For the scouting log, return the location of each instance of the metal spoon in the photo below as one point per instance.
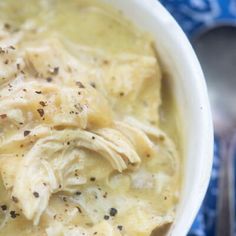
(216, 49)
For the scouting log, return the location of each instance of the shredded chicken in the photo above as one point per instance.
(77, 119)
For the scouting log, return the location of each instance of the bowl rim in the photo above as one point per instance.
(205, 143)
(195, 200)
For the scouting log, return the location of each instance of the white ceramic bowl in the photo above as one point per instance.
(190, 91)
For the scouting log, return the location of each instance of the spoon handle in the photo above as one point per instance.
(226, 202)
(197, 16)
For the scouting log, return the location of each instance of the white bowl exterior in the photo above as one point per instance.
(190, 91)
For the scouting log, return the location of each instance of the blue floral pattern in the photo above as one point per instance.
(195, 16)
(205, 222)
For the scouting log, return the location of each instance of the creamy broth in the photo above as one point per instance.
(121, 134)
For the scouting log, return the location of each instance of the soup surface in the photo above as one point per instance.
(88, 135)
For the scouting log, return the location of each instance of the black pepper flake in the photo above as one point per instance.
(93, 84)
(4, 207)
(7, 26)
(79, 107)
(64, 199)
(106, 217)
(42, 103)
(78, 193)
(38, 92)
(6, 61)
(113, 211)
(106, 62)
(14, 199)
(79, 209)
(49, 79)
(14, 214)
(68, 143)
(55, 70)
(93, 137)
(105, 195)
(18, 66)
(92, 179)
(95, 233)
(26, 133)
(78, 83)
(41, 112)
(36, 194)
(120, 227)
(3, 116)
(122, 94)
(12, 47)
(147, 155)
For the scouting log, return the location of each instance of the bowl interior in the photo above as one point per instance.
(188, 85)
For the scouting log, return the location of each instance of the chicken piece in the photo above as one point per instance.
(126, 72)
(137, 137)
(10, 63)
(167, 152)
(11, 60)
(54, 62)
(43, 171)
(123, 145)
(25, 137)
(8, 169)
(85, 108)
(51, 164)
(116, 76)
(61, 106)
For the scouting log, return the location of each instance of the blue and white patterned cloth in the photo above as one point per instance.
(205, 222)
(195, 16)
